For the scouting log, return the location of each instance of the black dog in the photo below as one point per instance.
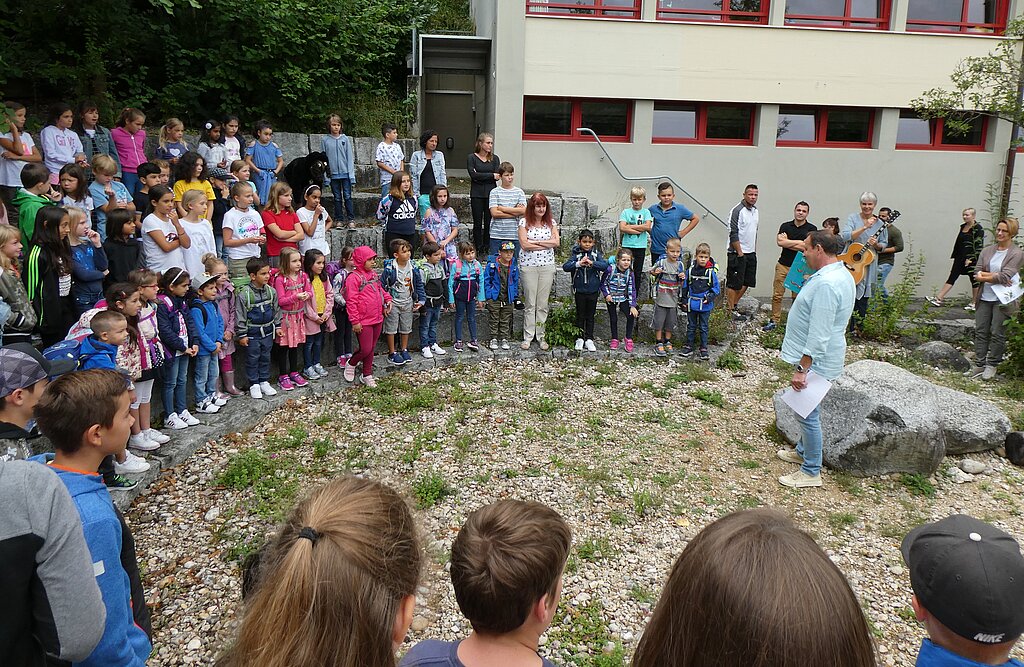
(302, 172)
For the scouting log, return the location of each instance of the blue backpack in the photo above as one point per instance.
(67, 350)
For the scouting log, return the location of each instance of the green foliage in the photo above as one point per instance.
(583, 635)
(245, 469)
(429, 489)
(1013, 367)
(561, 326)
(882, 322)
(708, 396)
(772, 340)
(450, 16)
(918, 485)
(731, 361)
(718, 326)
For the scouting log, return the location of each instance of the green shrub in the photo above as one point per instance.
(245, 469)
(561, 326)
(718, 326)
(883, 320)
(708, 396)
(429, 489)
(731, 361)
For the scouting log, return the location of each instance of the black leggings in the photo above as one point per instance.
(343, 332)
(287, 359)
(586, 304)
(391, 236)
(960, 270)
(613, 318)
(860, 311)
(481, 223)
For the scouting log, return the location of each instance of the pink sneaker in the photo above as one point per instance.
(614, 344)
(629, 345)
(350, 372)
(285, 383)
(298, 380)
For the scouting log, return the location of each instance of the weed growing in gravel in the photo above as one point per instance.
(323, 419)
(561, 329)
(429, 489)
(245, 469)
(749, 464)
(708, 396)
(595, 548)
(840, 521)
(656, 391)
(772, 340)
(731, 361)
(321, 448)
(600, 382)
(718, 326)
(585, 637)
(747, 502)
(645, 501)
(688, 373)
(544, 405)
(771, 431)
(658, 416)
(617, 518)
(918, 485)
(848, 483)
(641, 593)
(241, 549)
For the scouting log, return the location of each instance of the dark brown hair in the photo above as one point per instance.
(332, 599)
(753, 590)
(508, 555)
(74, 403)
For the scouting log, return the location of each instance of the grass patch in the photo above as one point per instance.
(749, 464)
(583, 635)
(918, 485)
(321, 448)
(641, 593)
(730, 361)
(429, 489)
(245, 469)
(595, 548)
(848, 483)
(688, 373)
(545, 405)
(840, 521)
(645, 501)
(708, 396)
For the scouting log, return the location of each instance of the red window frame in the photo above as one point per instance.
(576, 120)
(701, 125)
(963, 26)
(565, 7)
(715, 15)
(846, 20)
(821, 128)
(936, 130)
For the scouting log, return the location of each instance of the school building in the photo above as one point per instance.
(809, 99)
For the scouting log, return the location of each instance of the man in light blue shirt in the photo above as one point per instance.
(816, 340)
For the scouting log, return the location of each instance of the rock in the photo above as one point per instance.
(879, 419)
(958, 476)
(212, 514)
(748, 305)
(419, 624)
(1014, 446)
(972, 467)
(942, 354)
(194, 645)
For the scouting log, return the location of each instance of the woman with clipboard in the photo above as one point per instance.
(998, 269)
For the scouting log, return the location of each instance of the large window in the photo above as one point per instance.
(600, 8)
(558, 119)
(734, 11)
(835, 126)
(979, 16)
(703, 123)
(869, 14)
(916, 133)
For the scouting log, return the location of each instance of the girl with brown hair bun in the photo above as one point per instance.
(753, 590)
(336, 586)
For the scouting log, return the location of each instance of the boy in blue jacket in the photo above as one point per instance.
(501, 287)
(86, 416)
(587, 268)
(700, 287)
(210, 335)
(109, 330)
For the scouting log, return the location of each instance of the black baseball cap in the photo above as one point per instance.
(22, 365)
(970, 576)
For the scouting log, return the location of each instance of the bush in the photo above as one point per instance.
(882, 322)
(561, 326)
(429, 489)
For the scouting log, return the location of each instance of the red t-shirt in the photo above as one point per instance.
(287, 221)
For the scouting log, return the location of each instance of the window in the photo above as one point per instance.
(558, 118)
(729, 11)
(867, 14)
(629, 9)
(836, 127)
(918, 133)
(703, 123)
(978, 16)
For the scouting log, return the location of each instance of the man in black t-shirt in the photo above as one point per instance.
(791, 240)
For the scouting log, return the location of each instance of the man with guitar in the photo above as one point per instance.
(816, 342)
(868, 229)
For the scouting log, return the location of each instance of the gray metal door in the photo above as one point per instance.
(451, 115)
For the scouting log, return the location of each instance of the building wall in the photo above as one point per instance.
(766, 65)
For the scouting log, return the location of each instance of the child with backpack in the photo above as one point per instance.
(215, 266)
(619, 289)
(700, 287)
(210, 338)
(466, 285)
(501, 287)
(257, 324)
(402, 281)
(434, 276)
(367, 302)
(178, 334)
(587, 268)
(666, 278)
(319, 320)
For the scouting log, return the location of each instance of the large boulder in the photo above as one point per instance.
(879, 419)
(942, 354)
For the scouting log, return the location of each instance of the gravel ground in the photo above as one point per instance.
(638, 456)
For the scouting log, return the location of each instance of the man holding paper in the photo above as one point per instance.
(815, 344)
(998, 265)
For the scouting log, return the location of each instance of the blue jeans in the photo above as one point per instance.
(465, 309)
(257, 358)
(809, 446)
(130, 181)
(341, 188)
(207, 372)
(312, 349)
(695, 321)
(496, 245)
(384, 189)
(175, 384)
(429, 317)
(883, 273)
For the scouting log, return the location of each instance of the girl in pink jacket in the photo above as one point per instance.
(367, 302)
(318, 313)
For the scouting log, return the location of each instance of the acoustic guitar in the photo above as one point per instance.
(859, 255)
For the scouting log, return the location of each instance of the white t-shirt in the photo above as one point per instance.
(155, 258)
(243, 225)
(995, 265)
(319, 238)
(84, 204)
(10, 170)
(201, 235)
(232, 149)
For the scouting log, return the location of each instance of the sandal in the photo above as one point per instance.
(935, 302)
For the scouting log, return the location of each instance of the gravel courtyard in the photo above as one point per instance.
(637, 455)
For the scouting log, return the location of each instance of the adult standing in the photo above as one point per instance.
(482, 165)
(816, 341)
(966, 248)
(741, 268)
(791, 239)
(538, 238)
(427, 169)
(997, 265)
(887, 255)
(867, 228)
(669, 217)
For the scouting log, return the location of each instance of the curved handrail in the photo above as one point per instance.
(708, 211)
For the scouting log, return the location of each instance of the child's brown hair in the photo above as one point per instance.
(465, 247)
(105, 321)
(74, 403)
(277, 190)
(398, 244)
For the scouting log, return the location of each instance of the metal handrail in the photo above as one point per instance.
(708, 211)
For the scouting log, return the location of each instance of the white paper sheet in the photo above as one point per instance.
(805, 400)
(1008, 293)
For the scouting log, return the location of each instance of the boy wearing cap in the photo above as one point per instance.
(501, 287)
(210, 329)
(25, 375)
(968, 581)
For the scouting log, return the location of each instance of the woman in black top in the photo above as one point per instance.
(966, 248)
(483, 172)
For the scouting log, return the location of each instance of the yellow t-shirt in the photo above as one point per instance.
(319, 296)
(181, 187)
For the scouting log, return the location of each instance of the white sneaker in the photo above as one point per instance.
(267, 389)
(988, 373)
(189, 420)
(350, 372)
(438, 349)
(208, 407)
(175, 422)
(427, 354)
(589, 344)
(368, 381)
(156, 436)
(504, 344)
(220, 401)
(140, 442)
(579, 345)
(132, 464)
(254, 391)
(494, 344)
